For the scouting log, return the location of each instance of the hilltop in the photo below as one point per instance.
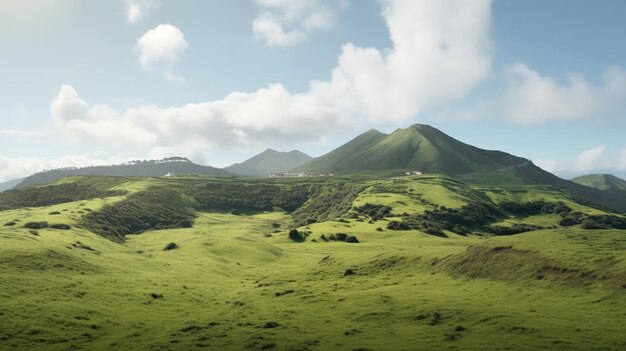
(426, 149)
(139, 168)
(269, 161)
(601, 181)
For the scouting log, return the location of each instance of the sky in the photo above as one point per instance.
(218, 81)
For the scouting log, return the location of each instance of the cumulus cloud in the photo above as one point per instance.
(533, 98)
(160, 48)
(287, 22)
(440, 51)
(135, 10)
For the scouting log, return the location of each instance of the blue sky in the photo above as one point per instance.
(218, 81)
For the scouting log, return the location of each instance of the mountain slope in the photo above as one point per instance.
(427, 149)
(601, 181)
(269, 161)
(10, 184)
(153, 168)
(419, 147)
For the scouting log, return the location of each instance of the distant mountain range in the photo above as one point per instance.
(416, 148)
(10, 184)
(152, 168)
(601, 181)
(269, 161)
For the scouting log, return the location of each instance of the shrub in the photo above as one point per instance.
(352, 239)
(54, 213)
(170, 246)
(349, 272)
(36, 225)
(235, 212)
(296, 236)
(379, 229)
(324, 238)
(33, 232)
(396, 225)
(10, 224)
(341, 236)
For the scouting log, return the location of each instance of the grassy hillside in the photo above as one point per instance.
(269, 161)
(418, 147)
(601, 181)
(236, 280)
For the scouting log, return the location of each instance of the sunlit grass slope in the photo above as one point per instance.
(238, 282)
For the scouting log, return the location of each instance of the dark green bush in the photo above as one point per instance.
(396, 225)
(296, 236)
(54, 213)
(10, 224)
(352, 239)
(170, 246)
(36, 225)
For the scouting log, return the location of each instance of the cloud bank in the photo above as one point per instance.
(440, 51)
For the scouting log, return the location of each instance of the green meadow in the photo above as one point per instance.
(235, 279)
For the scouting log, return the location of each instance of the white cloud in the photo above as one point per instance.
(591, 159)
(287, 22)
(440, 51)
(533, 98)
(135, 10)
(160, 48)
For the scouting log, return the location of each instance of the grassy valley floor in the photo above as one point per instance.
(230, 285)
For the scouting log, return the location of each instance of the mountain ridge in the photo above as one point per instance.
(269, 161)
(149, 168)
(601, 181)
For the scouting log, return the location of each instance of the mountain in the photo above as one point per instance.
(601, 181)
(417, 148)
(269, 161)
(429, 150)
(10, 184)
(151, 168)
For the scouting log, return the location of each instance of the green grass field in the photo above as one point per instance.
(237, 282)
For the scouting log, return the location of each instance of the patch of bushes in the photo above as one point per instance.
(253, 197)
(36, 225)
(54, 213)
(10, 224)
(339, 237)
(511, 230)
(51, 195)
(373, 211)
(535, 208)
(327, 202)
(154, 208)
(397, 225)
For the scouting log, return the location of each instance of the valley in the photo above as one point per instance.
(236, 278)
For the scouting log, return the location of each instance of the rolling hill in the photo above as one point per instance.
(115, 263)
(269, 161)
(601, 181)
(152, 168)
